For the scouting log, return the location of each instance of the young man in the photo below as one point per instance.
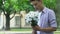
(47, 20)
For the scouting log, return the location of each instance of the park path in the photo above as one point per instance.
(15, 32)
(21, 32)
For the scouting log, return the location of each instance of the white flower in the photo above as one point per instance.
(31, 15)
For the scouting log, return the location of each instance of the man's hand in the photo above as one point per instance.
(37, 28)
(34, 22)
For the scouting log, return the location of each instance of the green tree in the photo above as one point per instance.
(25, 5)
(0, 4)
(8, 9)
(13, 6)
(50, 4)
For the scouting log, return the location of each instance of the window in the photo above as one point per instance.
(17, 19)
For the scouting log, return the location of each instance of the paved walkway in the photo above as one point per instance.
(15, 32)
(18, 32)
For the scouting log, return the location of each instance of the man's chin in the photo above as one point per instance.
(37, 9)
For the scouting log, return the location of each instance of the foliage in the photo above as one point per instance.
(50, 4)
(17, 5)
(0, 4)
(25, 5)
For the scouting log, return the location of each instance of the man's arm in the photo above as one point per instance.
(52, 22)
(48, 29)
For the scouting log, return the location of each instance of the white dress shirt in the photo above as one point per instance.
(38, 32)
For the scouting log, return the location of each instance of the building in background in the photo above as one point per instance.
(17, 22)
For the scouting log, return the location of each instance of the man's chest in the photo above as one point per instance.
(43, 20)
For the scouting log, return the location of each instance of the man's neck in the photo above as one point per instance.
(42, 8)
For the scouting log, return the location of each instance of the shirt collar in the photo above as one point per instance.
(44, 10)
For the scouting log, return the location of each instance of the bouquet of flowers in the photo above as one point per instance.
(32, 18)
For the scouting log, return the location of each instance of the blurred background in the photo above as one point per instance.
(12, 15)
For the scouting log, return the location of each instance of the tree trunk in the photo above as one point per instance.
(7, 22)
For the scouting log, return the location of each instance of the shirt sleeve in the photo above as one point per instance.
(52, 19)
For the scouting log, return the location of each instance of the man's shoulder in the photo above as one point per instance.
(49, 10)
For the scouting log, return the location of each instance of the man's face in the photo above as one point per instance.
(37, 5)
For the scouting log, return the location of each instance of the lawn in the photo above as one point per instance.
(57, 32)
(24, 30)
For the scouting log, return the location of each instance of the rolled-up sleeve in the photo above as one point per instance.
(52, 19)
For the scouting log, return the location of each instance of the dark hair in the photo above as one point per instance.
(34, 0)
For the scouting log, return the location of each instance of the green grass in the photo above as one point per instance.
(22, 29)
(56, 32)
(25, 30)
